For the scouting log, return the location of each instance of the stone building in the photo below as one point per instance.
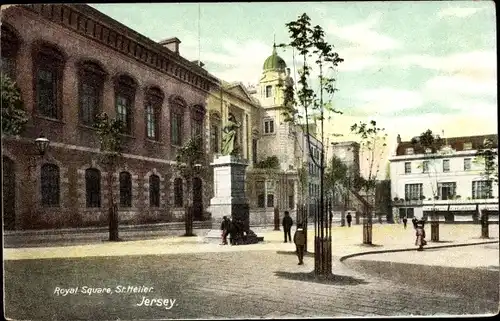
(71, 62)
(449, 181)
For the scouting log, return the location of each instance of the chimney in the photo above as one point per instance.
(171, 43)
(398, 139)
(198, 63)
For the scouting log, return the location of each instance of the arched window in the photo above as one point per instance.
(93, 187)
(215, 129)
(176, 117)
(154, 100)
(154, 191)
(125, 189)
(91, 83)
(178, 192)
(124, 101)
(197, 116)
(50, 185)
(49, 65)
(10, 47)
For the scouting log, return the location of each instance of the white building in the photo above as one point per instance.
(450, 181)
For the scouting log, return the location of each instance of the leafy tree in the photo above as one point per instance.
(431, 145)
(487, 156)
(109, 133)
(14, 117)
(313, 50)
(190, 160)
(373, 142)
(271, 162)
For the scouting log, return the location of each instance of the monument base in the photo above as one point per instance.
(215, 237)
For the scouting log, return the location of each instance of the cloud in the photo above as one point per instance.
(460, 85)
(363, 36)
(459, 12)
(385, 101)
(477, 64)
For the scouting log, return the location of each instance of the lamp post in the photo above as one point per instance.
(41, 144)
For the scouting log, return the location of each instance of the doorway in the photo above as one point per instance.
(9, 193)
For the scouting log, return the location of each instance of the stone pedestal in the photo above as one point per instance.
(229, 197)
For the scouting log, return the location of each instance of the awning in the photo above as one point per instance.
(462, 207)
(430, 208)
(489, 207)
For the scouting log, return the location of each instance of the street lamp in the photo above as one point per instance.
(41, 144)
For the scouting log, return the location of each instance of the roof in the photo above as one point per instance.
(274, 61)
(456, 143)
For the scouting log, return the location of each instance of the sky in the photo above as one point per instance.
(410, 66)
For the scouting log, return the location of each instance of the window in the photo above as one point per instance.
(178, 192)
(261, 195)
(269, 91)
(467, 164)
(407, 167)
(425, 166)
(270, 200)
(467, 146)
(9, 47)
(413, 191)
(93, 187)
(446, 165)
(214, 138)
(154, 191)
(154, 100)
(125, 189)
(124, 101)
(176, 128)
(197, 129)
(446, 190)
(197, 117)
(50, 185)
(254, 151)
(481, 189)
(91, 81)
(268, 126)
(409, 151)
(48, 68)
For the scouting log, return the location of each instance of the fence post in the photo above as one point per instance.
(276, 219)
(485, 233)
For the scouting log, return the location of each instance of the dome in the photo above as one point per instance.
(274, 61)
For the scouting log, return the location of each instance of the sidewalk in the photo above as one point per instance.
(345, 242)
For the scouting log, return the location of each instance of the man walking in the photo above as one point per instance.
(287, 226)
(299, 239)
(405, 220)
(349, 219)
(224, 226)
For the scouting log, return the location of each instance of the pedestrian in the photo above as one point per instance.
(349, 219)
(287, 226)
(299, 238)
(414, 221)
(405, 220)
(420, 234)
(233, 232)
(224, 226)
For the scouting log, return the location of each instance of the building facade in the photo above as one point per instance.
(71, 62)
(449, 181)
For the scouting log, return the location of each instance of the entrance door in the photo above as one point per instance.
(9, 193)
(197, 199)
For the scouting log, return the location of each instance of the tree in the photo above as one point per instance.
(337, 175)
(373, 143)
(109, 133)
(14, 117)
(190, 160)
(487, 156)
(309, 42)
(432, 146)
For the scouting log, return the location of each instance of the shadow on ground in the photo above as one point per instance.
(370, 245)
(334, 279)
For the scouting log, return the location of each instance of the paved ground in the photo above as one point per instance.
(213, 281)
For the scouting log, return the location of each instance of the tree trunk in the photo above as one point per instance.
(112, 211)
(188, 211)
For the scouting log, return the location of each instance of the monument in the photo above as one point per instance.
(229, 188)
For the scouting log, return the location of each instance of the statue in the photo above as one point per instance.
(230, 137)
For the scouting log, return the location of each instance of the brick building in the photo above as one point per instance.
(71, 62)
